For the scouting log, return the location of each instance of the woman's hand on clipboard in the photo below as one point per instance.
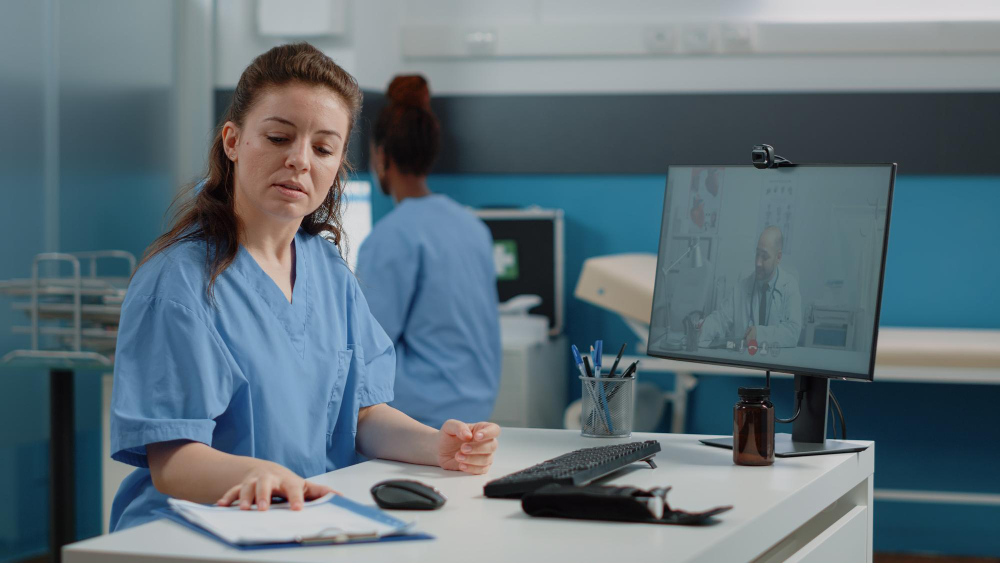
(271, 479)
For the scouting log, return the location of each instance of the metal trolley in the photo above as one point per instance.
(73, 326)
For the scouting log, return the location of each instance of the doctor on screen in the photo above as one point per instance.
(764, 307)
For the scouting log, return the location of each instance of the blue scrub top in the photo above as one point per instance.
(427, 271)
(250, 375)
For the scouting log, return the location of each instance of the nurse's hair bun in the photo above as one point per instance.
(410, 90)
(406, 128)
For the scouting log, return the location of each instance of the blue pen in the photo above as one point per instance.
(578, 360)
(599, 348)
(583, 371)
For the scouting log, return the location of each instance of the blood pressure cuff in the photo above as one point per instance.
(619, 504)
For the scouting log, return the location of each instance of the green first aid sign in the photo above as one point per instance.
(505, 259)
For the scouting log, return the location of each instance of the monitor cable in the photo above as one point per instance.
(798, 400)
(840, 413)
(835, 413)
(832, 418)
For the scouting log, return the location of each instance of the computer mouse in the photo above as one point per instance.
(400, 494)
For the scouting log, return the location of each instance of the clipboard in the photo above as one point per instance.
(341, 539)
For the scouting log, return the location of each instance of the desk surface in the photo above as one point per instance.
(770, 503)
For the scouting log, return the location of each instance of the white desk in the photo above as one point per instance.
(801, 509)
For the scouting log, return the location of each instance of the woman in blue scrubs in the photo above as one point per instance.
(427, 272)
(247, 356)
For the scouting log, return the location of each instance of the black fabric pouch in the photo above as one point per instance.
(620, 504)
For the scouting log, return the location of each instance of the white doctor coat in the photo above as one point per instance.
(739, 310)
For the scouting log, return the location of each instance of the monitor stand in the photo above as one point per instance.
(809, 429)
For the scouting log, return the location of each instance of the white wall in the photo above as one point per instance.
(237, 41)
(891, 45)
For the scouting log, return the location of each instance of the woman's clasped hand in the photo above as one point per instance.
(467, 448)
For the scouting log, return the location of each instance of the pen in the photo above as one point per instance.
(599, 400)
(629, 372)
(578, 360)
(598, 352)
(593, 360)
(602, 400)
(618, 358)
(584, 369)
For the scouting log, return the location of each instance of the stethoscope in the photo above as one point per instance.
(767, 315)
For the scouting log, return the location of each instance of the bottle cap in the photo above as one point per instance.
(755, 393)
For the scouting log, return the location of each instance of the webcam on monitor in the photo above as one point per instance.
(763, 157)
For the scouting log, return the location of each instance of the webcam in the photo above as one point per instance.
(763, 157)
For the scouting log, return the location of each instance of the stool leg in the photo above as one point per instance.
(62, 490)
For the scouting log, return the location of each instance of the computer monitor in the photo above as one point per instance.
(778, 269)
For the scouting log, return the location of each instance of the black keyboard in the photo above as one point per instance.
(575, 468)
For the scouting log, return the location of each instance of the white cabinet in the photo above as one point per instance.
(533, 387)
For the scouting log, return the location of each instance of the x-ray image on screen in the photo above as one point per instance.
(777, 268)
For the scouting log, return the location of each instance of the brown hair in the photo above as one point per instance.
(210, 214)
(406, 128)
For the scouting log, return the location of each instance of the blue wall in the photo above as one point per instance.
(941, 271)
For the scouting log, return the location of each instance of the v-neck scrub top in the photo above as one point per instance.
(427, 271)
(251, 374)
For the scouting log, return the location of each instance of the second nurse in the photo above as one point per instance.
(427, 272)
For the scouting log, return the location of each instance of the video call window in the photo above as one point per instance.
(775, 268)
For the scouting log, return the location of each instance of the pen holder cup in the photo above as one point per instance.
(607, 406)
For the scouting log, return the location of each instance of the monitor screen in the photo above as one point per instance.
(776, 269)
